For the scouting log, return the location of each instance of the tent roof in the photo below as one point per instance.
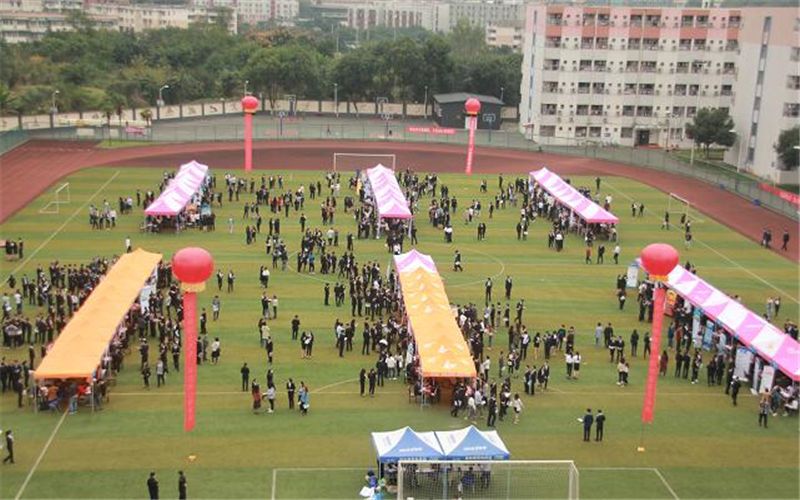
(389, 198)
(180, 190)
(78, 349)
(463, 96)
(750, 328)
(443, 352)
(471, 443)
(406, 444)
(567, 195)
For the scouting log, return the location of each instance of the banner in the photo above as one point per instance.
(431, 130)
(473, 122)
(780, 193)
(632, 278)
(756, 376)
(744, 357)
(708, 335)
(767, 377)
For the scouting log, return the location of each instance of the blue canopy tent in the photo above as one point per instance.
(406, 444)
(471, 443)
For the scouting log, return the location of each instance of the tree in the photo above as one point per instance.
(263, 69)
(787, 148)
(711, 126)
(466, 40)
(353, 73)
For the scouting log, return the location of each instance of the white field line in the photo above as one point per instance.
(41, 456)
(664, 480)
(62, 226)
(751, 273)
(654, 470)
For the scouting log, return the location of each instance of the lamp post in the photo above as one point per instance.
(53, 108)
(658, 259)
(426, 102)
(246, 82)
(472, 107)
(160, 100)
(490, 119)
(192, 266)
(502, 93)
(336, 99)
(249, 107)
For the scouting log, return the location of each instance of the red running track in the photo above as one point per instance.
(30, 169)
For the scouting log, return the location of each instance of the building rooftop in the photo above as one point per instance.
(463, 96)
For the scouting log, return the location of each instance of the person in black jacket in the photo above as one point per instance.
(152, 486)
(362, 379)
(182, 485)
(587, 420)
(600, 420)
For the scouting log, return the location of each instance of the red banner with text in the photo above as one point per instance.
(780, 193)
(431, 130)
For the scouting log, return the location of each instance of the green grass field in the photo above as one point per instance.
(699, 446)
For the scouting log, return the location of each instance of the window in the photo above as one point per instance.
(583, 87)
(644, 111)
(793, 82)
(694, 89)
(596, 110)
(734, 21)
(552, 41)
(687, 21)
(598, 87)
(685, 44)
(599, 65)
(582, 110)
(726, 90)
(630, 89)
(587, 43)
(547, 130)
(683, 67)
(699, 44)
(634, 44)
(632, 66)
(646, 89)
(677, 111)
(550, 87)
(791, 109)
(555, 19)
(627, 110)
(728, 68)
(650, 43)
(636, 20)
(601, 43)
(648, 67)
(548, 109)
(626, 133)
(580, 131)
(551, 64)
(680, 89)
(585, 65)
(732, 45)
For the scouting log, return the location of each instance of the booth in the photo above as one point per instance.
(472, 443)
(442, 350)
(182, 196)
(406, 444)
(747, 327)
(78, 351)
(565, 194)
(390, 203)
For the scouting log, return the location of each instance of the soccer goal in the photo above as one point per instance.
(530, 479)
(343, 162)
(60, 197)
(681, 208)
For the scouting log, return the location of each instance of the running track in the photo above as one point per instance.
(30, 169)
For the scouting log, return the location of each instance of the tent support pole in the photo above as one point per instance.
(93, 395)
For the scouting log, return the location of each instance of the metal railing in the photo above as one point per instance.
(387, 132)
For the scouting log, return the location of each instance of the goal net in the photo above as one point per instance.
(497, 479)
(680, 208)
(343, 162)
(60, 197)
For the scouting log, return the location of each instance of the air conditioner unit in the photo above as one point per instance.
(716, 93)
(572, 91)
(669, 92)
(558, 119)
(660, 70)
(571, 119)
(605, 120)
(703, 92)
(673, 48)
(619, 91)
(607, 91)
(658, 92)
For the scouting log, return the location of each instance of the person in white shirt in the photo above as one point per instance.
(616, 254)
(215, 351)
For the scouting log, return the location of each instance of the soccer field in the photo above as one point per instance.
(699, 446)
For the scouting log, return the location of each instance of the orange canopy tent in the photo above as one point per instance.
(443, 352)
(77, 351)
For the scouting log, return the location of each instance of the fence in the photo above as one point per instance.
(389, 131)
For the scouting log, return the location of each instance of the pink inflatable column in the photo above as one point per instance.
(249, 106)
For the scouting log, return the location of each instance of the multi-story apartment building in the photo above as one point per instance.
(18, 26)
(637, 76)
(439, 16)
(507, 34)
(767, 90)
(28, 20)
(254, 12)
(483, 12)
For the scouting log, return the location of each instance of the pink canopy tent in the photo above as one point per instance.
(180, 190)
(413, 260)
(567, 195)
(389, 198)
(748, 327)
